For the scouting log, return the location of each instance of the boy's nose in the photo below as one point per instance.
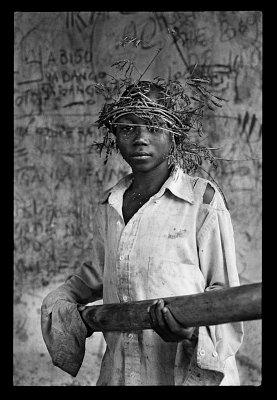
(142, 136)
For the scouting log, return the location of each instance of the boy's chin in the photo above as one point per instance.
(141, 165)
(147, 167)
(141, 168)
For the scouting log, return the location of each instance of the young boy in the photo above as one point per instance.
(159, 232)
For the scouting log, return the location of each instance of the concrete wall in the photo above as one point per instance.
(58, 177)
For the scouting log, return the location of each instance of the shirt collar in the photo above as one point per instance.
(178, 183)
(120, 187)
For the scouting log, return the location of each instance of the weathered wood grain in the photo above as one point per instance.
(240, 303)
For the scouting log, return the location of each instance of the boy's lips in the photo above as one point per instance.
(140, 155)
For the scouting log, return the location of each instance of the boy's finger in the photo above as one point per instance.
(158, 321)
(173, 325)
(160, 318)
(156, 327)
(155, 318)
(153, 309)
(163, 324)
(152, 315)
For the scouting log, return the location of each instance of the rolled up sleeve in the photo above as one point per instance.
(64, 334)
(63, 330)
(91, 272)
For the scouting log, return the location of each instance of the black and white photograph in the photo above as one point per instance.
(137, 198)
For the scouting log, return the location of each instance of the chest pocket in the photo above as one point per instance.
(166, 278)
(175, 239)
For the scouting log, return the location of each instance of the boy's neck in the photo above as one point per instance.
(150, 181)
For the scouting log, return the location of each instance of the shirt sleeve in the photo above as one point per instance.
(62, 327)
(64, 334)
(91, 272)
(86, 284)
(217, 259)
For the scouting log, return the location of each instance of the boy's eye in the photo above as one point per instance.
(125, 128)
(153, 129)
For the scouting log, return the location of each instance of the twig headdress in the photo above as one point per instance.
(179, 110)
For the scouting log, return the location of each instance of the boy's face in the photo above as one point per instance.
(141, 147)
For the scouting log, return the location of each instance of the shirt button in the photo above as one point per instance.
(214, 354)
(202, 353)
(132, 374)
(125, 298)
(121, 258)
(118, 222)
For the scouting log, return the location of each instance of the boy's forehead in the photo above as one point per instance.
(126, 116)
(129, 118)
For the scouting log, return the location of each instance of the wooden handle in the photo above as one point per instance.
(218, 306)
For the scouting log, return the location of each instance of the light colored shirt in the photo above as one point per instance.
(173, 245)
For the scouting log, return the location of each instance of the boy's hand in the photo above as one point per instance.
(165, 325)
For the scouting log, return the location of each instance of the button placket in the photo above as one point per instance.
(202, 352)
(123, 266)
(132, 360)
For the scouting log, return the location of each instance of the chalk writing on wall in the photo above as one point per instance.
(59, 57)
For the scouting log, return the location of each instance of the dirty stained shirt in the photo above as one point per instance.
(173, 245)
